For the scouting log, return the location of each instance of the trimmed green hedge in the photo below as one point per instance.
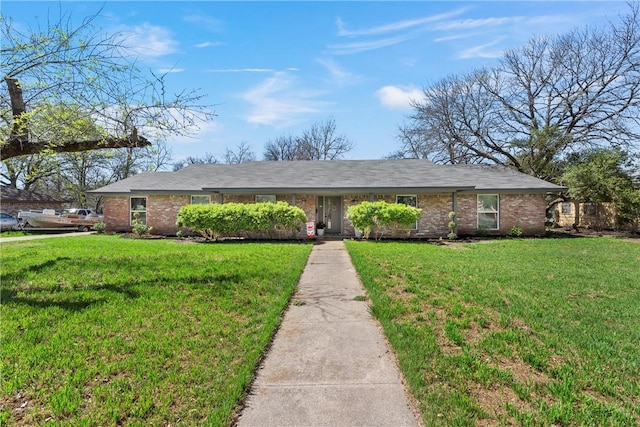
(376, 216)
(213, 221)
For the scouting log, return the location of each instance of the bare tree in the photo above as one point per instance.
(549, 98)
(92, 73)
(206, 158)
(241, 154)
(319, 142)
(418, 143)
(282, 148)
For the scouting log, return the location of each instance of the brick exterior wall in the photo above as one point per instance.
(116, 214)
(162, 212)
(524, 210)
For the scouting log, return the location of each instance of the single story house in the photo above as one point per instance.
(592, 215)
(487, 199)
(14, 200)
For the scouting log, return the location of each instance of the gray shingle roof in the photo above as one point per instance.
(327, 176)
(10, 194)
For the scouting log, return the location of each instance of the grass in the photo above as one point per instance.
(14, 233)
(525, 332)
(99, 330)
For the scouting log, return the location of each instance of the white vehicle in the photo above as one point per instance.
(80, 218)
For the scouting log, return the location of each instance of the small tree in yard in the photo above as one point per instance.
(62, 63)
(452, 226)
(138, 226)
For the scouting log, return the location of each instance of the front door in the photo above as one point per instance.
(330, 212)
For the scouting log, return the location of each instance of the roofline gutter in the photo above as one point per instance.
(334, 190)
(271, 190)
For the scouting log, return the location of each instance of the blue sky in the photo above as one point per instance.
(275, 68)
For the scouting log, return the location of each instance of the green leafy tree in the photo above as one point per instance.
(605, 175)
(96, 76)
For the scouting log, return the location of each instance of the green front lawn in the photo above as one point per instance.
(99, 330)
(525, 332)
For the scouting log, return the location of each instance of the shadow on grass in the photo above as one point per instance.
(36, 268)
(69, 301)
(67, 305)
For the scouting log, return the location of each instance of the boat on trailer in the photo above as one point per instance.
(81, 219)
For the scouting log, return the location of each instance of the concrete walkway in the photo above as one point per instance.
(329, 364)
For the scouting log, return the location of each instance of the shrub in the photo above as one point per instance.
(374, 216)
(139, 227)
(99, 227)
(515, 231)
(213, 221)
(452, 226)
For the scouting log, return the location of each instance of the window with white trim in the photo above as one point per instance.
(266, 198)
(566, 208)
(409, 200)
(488, 209)
(138, 209)
(200, 199)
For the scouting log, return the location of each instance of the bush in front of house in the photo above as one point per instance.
(213, 221)
(138, 226)
(376, 216)
(272, 218)
(100, 227)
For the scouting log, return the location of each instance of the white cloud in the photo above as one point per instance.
(465, 24)
(396, 26)
(203, 131)
(406, 29)
(398, 98)
(279, 101)
(337, 74)
(208, 22)
(208, 44)
(487, 50)
(241, 70)
(355, 47)
(148, 41)
(454, 37)
(170, 70)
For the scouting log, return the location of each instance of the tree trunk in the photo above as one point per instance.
(19, 144)
(20, 128)
(14, 147)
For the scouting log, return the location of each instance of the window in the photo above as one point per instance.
(200, 200)
(409, 200)
(590, 209)
(266, 198)
(488, 212)
(566, 208)
(139, 209)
